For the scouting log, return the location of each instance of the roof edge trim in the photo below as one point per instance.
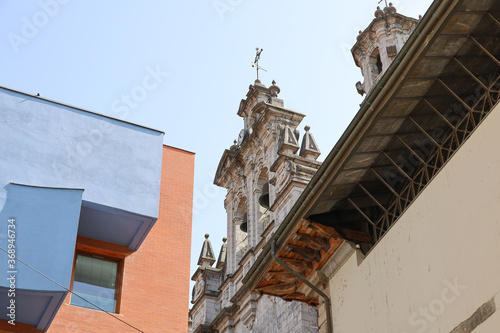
(80, 109)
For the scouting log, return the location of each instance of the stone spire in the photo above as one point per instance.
(289, 140)
(377, 46)
(206, 290)
(309, 148)
(207, 257)
(222, 255)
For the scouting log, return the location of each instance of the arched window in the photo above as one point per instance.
(263, 218)
(240, 225)
(379, 64)
(375, 64)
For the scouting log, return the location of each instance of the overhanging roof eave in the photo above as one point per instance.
(386, 88)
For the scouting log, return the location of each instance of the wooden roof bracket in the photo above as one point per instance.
(329, 328)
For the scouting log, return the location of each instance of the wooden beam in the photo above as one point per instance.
(316, 243)
(321, 229)
(279, 289)
(355, 236)
(341, 228)
(307, 254)
(281, 276)
(297, 265)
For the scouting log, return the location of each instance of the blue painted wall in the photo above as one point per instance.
(48, 144)
(66, 157)
(46, 224)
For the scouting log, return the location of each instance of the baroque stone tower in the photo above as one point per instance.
(264, 172)
(377, 46)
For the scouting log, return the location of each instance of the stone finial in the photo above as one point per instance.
(379, 13)
(309, 148)
(258, 83)
(234, 146)
(274, 90)
(207, 257)
(390, 10)
(222, 254)
(359, 36)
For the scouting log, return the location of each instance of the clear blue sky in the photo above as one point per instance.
(92, 54)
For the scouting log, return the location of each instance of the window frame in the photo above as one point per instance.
(119, 276)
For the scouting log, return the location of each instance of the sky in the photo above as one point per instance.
(183, 66)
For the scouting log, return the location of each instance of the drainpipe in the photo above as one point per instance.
(329, 327)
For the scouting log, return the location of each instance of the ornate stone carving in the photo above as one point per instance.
(285, 173)
(199, 288)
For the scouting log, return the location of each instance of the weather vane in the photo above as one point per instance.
(255, 63)
(381, 1)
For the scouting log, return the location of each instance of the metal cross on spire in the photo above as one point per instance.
(255, 63)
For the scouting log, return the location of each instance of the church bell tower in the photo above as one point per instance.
(377, 46)
(264, 171)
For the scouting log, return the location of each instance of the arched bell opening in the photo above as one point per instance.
(244, 223)
(263, 201)
(376, 66)
(240, 225)
(264, 197)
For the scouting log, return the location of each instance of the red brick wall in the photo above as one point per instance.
(155, 290)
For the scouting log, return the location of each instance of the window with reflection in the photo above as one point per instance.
(95, 280)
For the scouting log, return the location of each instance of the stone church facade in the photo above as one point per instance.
(264, 172)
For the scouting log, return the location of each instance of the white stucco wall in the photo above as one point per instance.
(441, 260)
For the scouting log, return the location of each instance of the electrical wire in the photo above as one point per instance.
(60, 285)
(244, 239)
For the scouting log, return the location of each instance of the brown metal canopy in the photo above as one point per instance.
(429, 101)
